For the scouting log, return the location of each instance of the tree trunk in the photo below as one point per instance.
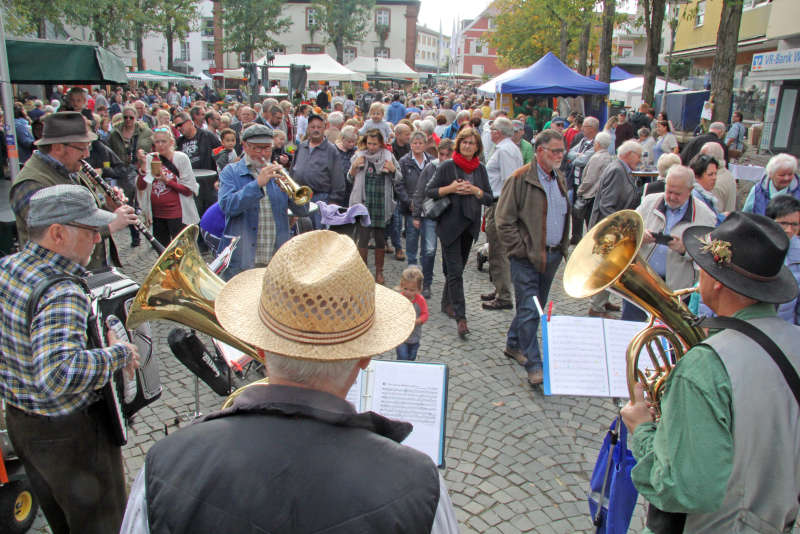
(338, 43)
(169, 35)
(139, 49)
(564, 41)
(41, 28)
(583, 48)
(725, 60)
(654, 11)
(604, 68)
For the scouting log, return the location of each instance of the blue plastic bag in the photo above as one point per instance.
(617, 499)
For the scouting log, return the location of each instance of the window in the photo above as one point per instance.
(383, 17)
(208, 50)
(701, 13)
(311, 17)
(382, 52)
(279, 49)
(208, 27)
(349, 54)
(313, 49)
(491, 24)
(477, 70)
(478, 48)
(750, 4)
(183, 53)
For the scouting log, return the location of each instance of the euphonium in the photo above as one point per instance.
(232, 397)
(299, 194)
(607, 258)
(180, 287)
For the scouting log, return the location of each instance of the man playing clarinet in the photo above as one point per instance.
(65, 142)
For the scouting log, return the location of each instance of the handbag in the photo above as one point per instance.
(580, 207)
(613, 496)
(433, 208)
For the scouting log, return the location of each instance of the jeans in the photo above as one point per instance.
(316, 216)
(395, 229)
(412, 239)
(427, 232)
(529, 283)
(407, 351)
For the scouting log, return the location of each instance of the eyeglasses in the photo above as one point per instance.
(79, 148)
(259, 148)
(179, 124)
(789, 224)
(92, 229)
(554, 150)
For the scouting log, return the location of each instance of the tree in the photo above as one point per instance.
(725, 59)
(175, 19)
(26, 17)
(653, 22)
(343, 22)
(528, 29)
(111, 22)
(609, 13)
(250, 25)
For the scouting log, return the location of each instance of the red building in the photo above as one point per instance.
(474, 54)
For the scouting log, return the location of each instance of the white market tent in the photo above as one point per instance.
(489, 88)
(386, 67)
(630, 90)
(322, 68)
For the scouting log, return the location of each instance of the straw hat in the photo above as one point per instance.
(315, 300)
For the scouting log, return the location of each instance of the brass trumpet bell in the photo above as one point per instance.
(299, 194)
(180, 287)
(607, 258)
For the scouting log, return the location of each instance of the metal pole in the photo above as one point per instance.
(8, 106)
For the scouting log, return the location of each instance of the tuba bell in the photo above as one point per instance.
(607, 258)
(180, 287)
(299, 194)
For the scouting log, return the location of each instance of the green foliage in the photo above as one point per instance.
(345, 22)
(250, 25)
(27, 17)
(680, 69)
(528, 29)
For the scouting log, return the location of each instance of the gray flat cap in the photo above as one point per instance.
(65, 204)
(257, 133)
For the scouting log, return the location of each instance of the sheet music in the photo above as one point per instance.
(355, 394)
(618, 336)
(576, 357)
(414, 393)
(235, 358)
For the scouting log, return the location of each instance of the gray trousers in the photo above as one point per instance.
(499, 268)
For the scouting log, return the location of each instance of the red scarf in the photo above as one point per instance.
(467, 165)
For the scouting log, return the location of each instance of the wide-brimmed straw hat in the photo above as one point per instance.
(316, 300)
(746, 254)
(65, 127)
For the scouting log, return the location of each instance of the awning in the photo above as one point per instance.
(44, 61)
(383, 68)
(322, 67)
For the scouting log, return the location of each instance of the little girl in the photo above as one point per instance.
(376, 122)
(410, 287)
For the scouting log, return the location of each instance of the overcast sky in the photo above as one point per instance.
(431, 11)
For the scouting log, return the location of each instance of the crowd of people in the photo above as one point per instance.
(389, 172)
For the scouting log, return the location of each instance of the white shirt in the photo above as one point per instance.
(505, 159)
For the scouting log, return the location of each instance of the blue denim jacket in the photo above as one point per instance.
(239, 196)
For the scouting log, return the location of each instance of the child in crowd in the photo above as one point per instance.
(279, 153)
(376, 122)
(410, 287)
(226, 153)
(785, 210)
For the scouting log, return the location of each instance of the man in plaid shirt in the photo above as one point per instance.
(49, 377)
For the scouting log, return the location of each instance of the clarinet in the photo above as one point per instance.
(115, 198)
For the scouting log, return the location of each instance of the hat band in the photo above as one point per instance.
(317, 338)
(751, 276)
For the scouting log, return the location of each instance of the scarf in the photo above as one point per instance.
(467, 165)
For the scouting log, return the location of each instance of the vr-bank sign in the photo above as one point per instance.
(782, 59)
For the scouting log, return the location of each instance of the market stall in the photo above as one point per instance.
(383, 68)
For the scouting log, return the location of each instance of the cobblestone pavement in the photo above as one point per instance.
(516, 461)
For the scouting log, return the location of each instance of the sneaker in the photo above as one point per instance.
(497, 304)
(488, 296)
(400, 255)
(516, 355)
(426, 292)
(535, 378)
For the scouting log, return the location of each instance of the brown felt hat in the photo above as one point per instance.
(316, 300)
(65, 127)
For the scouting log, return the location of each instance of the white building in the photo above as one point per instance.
(195, 55)
(433, 49)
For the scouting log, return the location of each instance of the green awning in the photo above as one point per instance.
(45, 61)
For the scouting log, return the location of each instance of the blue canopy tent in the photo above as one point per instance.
(618, 74)
(551, 77)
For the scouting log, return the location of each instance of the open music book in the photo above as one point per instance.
(407, 391)
(585, 356)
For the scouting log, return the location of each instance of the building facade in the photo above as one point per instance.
(473, 53)
(433, 51)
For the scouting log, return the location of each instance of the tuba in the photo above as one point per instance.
(607, 258)
(180, 287)
(299, 194)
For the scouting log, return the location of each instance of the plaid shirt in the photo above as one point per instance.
(49, 371)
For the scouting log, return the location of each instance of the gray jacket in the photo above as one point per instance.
(618, 191)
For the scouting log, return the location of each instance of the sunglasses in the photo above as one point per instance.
(128, 117)
(179, 124)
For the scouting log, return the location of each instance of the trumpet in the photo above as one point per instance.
(299, 194)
